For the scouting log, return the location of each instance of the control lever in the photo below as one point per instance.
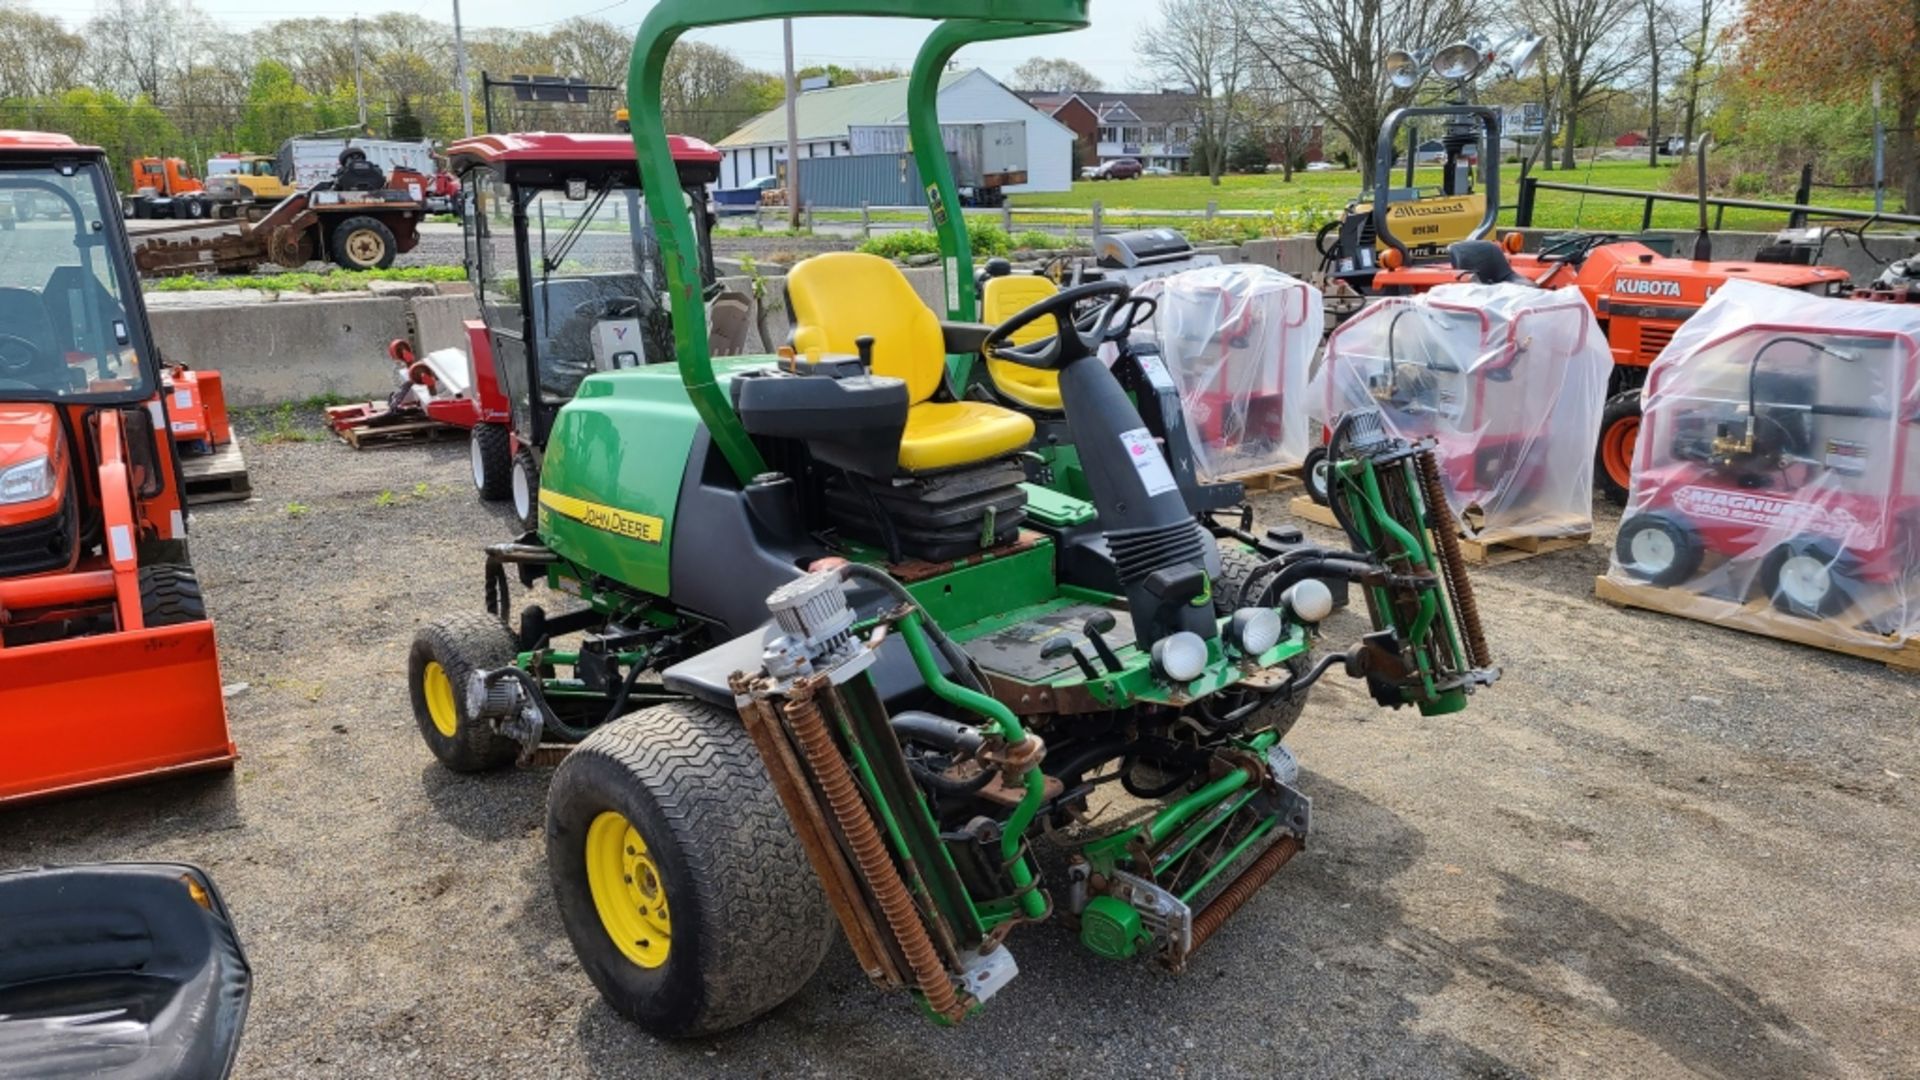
(864, 346)
(1099, 623)
(1060, 645)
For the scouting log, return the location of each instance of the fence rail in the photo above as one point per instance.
(1797, 212)
(1092, 220)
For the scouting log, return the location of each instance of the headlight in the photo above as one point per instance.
(1180, 656)
(1309, 601)
(27, 481)
(1254, 630)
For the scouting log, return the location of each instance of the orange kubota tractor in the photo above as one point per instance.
(107, 665)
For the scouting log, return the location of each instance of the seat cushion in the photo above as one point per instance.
(1001, 299)
(943, 434)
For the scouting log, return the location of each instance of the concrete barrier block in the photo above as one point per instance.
(439, 322)
(290, 350)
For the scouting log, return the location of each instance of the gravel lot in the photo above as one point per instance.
(1655, 848)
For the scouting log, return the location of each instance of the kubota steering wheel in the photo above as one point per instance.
(1574, 247)
(1069, 342)
(18, 356)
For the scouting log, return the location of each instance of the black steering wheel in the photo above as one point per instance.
(19, 356)
(1070, 342)
(608, 307)
(1573, 248)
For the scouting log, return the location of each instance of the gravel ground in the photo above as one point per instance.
(1655, 848)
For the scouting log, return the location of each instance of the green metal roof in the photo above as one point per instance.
(826, 114)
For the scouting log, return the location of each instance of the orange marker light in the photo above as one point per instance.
(1392, 259)
(1513, 242)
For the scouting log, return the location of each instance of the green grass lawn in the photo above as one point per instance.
(1312, 197)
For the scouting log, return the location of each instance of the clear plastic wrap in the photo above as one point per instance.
(1237, 341)
(1775, 470)
(1507, 380)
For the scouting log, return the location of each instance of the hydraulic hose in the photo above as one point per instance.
(964, 669)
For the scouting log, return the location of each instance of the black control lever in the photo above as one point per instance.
(864, 346)
(1060, 645)
(1099, 623)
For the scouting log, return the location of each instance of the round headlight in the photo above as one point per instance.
(1402, 69)
(1180, 656)
(1456, 62)
(1309, 600)
(1254, 630)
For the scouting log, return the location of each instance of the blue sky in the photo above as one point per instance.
(1106, 48)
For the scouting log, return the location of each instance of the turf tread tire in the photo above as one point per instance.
(494, 445)
(170, 595)
(337, 243)
(523, 462)
(1237, 567)
(462, 643)
(688, 777)
(1619, 408)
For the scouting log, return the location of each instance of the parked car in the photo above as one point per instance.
(1321, 166)
(746, 198)
(1156, 170)
(1125, 168)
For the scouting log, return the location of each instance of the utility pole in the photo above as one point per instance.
(793, 137)
(359, 97)
(1879, 154)
(460, 72)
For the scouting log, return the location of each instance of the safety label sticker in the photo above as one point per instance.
(1148, 461)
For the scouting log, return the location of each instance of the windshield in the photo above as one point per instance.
(64, 329)
(597, 290)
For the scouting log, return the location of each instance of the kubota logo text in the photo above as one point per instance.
(1647, 287)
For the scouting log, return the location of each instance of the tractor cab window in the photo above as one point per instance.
(65, 331)
(597, 293)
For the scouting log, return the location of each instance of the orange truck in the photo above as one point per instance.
(166, 188)
(108, 668)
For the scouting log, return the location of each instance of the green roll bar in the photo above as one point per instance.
(960, 23)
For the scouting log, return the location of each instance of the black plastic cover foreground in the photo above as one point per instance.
(118, 970)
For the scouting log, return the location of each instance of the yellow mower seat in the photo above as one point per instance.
(844, 295)
(1001, 299)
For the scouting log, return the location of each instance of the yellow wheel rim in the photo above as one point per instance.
(439, 692)
(627, 890)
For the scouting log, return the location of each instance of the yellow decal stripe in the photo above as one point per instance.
(644, 527)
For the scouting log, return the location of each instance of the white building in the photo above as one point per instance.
(823, 117)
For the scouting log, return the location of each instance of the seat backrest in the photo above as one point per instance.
(729, 315)
(1001, 298)
(844, 295)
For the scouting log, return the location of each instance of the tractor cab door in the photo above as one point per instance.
(494, 267)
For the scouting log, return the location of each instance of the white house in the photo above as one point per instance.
(822, 118)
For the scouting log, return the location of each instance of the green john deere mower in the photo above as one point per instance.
(821, 651)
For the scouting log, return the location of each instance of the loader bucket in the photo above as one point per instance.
(115, 708)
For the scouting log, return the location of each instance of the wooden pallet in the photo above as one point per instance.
(217, 477)
(366, 435)
(1497, 550)
(1268, 481)
(1304, 508)
(1483, 550)
(1759, 617)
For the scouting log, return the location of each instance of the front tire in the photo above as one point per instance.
(663, 829)
(490, 451)
(170, 595)
(444, 654)
(1619, 433)
(362, 243)
(526, 490)
(1659, 549)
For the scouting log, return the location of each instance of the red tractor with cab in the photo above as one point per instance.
(108, 670)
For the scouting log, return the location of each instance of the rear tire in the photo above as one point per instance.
(1315, 473)
(170, 595)
(490, 451)
(444, 653)
(1613, 459)
(1810, 579)
(1658, 548)
(714, 868)
(362, 243)
(526, 490)
(192, 209)
(1237, 565)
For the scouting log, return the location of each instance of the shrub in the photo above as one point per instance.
(901, 244)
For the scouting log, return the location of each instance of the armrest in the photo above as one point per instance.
(963, 337)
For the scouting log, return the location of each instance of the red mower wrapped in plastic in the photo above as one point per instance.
(1506, 380)
(1776, 477)
(1238, 341)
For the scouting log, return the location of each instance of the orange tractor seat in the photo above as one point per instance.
(844, 295)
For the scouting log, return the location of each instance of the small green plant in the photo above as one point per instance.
(384, 499)
(297, 509)
(281, 426)
(1037, 240)
(422, 490)
(301, 281)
